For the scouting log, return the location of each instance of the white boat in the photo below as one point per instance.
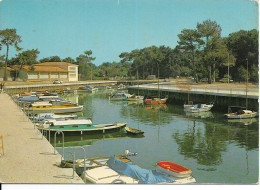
(243, 114)
(53, 122)
(134, 98)
(105, 175)
(42, 116)
(198, 108)
(130, 174)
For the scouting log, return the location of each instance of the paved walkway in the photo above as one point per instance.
(219, 91)
(27, 158)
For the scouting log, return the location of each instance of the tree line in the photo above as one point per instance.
(200, 53)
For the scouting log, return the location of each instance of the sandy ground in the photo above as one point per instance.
(27, 158)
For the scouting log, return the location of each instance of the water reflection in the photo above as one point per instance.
(89, 139)
(243, 122)
(200, 115)
(206, 142)
(147, 114)
(203, 144)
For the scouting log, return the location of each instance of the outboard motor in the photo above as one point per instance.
(128, 153)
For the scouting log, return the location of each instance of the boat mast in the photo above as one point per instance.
(228, 68)
(137, 83)
(158, 82)
(246, 80)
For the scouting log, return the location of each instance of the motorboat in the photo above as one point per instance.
(34, 98)
(106, 175)
(117, 171)
(78, 125)
(198, 108)
(43, 116)
(173, 169)
(155, 101)
(134, 98)
(118, 96)
(87, 88)
(91, 163)
(53, 106)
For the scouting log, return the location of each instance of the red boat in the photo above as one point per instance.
(173, 169)
(155, 101)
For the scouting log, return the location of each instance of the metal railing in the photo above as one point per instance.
(58, 132)
(73, 158)
(84, 164)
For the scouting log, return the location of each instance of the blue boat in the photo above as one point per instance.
(118, 96)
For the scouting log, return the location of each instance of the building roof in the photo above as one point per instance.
(7, 68)
(44, 69)
(56, 64)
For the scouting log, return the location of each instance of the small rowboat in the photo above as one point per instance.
(134, 131)
(91, 163)
(173, 169)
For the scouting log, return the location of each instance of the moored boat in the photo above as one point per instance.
(118, 171)
(118, 96)
(133, 131)
(198, 108)
(241, 114)
(173, 169)
(134, 98)
(79, 125)
(43, 116)
(155, 101)
(54, 107)
(91, 163)
(87, 88)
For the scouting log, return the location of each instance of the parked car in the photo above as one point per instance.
(225, 80)
(204, 80)
(57, 82)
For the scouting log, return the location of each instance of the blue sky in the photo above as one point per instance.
(108, 27)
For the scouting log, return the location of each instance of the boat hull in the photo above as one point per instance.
(133, 131)
(97, 128)
(241, 116)
(117, 98)
(155, 101)
(173, 169)
(197, 110)
(55, 110)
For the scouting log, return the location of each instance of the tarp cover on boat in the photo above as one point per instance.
(29, 99)
(134, 171)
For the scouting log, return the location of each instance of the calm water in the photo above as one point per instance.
(217, 151)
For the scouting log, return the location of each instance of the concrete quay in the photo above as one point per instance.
(28, 158)
(220, 96)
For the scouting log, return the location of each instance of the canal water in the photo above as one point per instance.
(218, 151)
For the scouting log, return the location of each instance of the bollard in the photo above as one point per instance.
(2, 145)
